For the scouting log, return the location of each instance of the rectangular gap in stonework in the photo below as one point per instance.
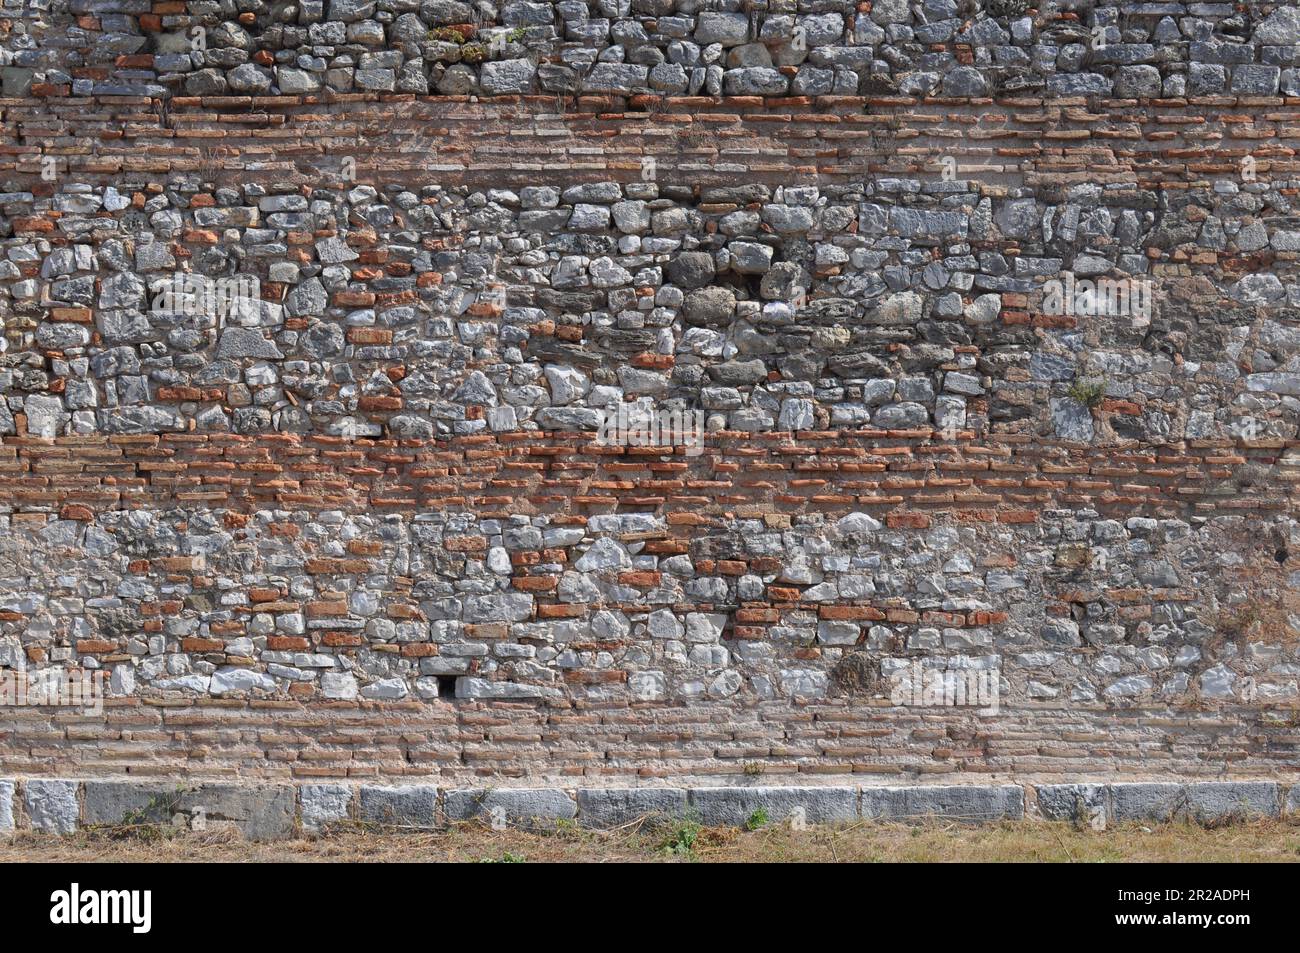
(446, 686)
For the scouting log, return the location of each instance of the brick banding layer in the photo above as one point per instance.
(1005, 479)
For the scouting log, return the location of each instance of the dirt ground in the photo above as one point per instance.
(1259, 842)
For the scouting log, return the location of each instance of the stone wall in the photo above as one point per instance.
(363, 522)
(771, 48)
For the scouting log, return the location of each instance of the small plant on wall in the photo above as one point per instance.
(1089, 393)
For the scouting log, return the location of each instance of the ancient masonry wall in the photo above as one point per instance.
(361, 527)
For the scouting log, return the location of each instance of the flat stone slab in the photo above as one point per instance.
(1293, 800)
(260, 811)
(130, 802)
(1072, 802)
(1140, 801)
(320, 805)
(401, 806)
(7, 789)
(52, 805)
(735, 805)
(964, 802)
(1157, 801)
(539, 808)
(1219, 800)
(612, 807)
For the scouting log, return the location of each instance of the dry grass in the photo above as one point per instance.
(1259, 842)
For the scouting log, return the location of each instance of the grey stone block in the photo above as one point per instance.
(539, 808)
(118, 802)
(7, 805)
(1221, 800)
(321, 805)
(259, 811)
(964, 802)
(404, 806)
(610, 807)
(16, 81)
(246, 342)
(1255, 80)
(1146, 802)
(1293, 800)
(735, 805)
(1200, 801)
(52, 805)
(507, 77)
(1071, 802)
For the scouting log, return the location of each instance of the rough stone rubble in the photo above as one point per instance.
(768, 48)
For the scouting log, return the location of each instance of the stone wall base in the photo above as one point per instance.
(269, 811)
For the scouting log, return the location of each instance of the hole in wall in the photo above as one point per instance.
(447, 687)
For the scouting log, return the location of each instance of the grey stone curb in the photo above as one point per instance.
(954, 802)
(1201, 801)
(266, 811)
